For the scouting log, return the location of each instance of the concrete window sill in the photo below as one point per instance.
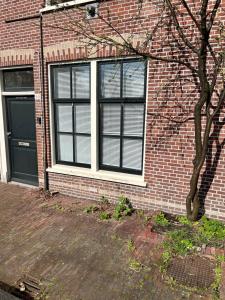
(136, 180)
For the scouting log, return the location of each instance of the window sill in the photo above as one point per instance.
(130, 179)
(65, 5)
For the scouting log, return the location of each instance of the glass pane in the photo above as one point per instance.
(133, 79)
(133, 119)
(62, 83)
(64, 117)
(17, 80)
(65, 147)
(111, 152)
(82, 117)
(83, 149)
(111, 119)
(110, 80)
(132, 154)
(81, 82)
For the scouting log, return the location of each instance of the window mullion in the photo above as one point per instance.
(121, 136)
(121, 116)
(94, 117)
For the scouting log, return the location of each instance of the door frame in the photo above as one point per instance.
(5, 166)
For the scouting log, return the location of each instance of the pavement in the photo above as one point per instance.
(72, 254)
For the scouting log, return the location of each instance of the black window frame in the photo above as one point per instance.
(74, 102)
(121, 100)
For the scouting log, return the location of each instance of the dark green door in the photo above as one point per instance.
(22, 139)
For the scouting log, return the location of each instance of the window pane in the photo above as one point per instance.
(111, 151)
(65, 147)
(132, 154)
(17, 80)
(62, 83)
(81, 82)
(133, 79)
(110, 80)
(111, 119)
(64, 117)
(133, 119)
(82, 118)
(83, 149)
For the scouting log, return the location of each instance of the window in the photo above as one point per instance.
(71, 97)
(120, 102)
(18, 80)
(121, 97)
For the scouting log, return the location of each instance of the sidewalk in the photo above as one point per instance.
(74, 255)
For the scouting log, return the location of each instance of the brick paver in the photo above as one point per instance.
(75, 256)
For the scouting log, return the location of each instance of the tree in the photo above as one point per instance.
(185, 34)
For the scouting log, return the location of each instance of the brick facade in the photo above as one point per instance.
(168, 147)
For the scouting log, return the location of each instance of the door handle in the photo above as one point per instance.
(9, 133)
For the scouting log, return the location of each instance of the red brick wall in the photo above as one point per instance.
(169, 145)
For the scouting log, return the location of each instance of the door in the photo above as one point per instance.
(22, 139)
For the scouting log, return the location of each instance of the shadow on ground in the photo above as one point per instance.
(74, 255)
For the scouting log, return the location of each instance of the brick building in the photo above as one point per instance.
(89, 123)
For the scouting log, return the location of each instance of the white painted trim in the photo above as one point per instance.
(64, 5)
(94, 138)
(130, 179)
(146, 108)
(51, 118)
(30, 93)
(3, 138)
(60, 63)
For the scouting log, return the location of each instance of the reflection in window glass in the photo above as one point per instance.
(111, 119)
(110, 80)
(64, 117)
(111, 152)
(83, 149)
(62, 83)
(65, 147)
(81, 82)
(18, 80)
(133, 79)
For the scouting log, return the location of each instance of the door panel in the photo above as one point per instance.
(22, 139)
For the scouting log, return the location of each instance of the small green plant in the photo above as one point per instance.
(161, 220)
(91, 209)
(135, 265)
(104, 215)
(166, 257)
(59, 207)
(218, 275)
(123, 208)
(130, 245)
(211, 231)
(184, 220)
(180, 241)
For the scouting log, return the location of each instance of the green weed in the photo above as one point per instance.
(130, 245)
(161, 220)
(218, 275)
(184, 220)
(135, 265)
(122, 208)
(91, 209)
(104, 215)
(210, 231)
